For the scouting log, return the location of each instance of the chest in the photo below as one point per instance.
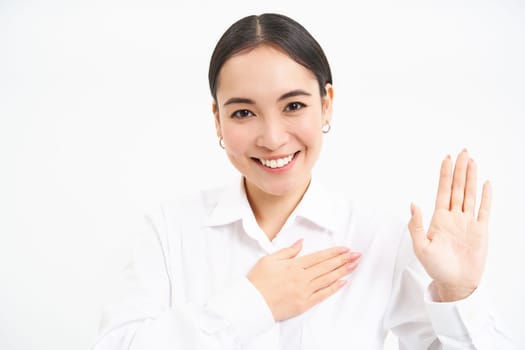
(352, 317)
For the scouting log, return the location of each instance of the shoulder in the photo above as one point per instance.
(366, 224)
(361, 213)
(376, 217)
(194, 206)
(376, 231)
(179, 220)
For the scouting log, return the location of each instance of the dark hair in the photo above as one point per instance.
(276, 30)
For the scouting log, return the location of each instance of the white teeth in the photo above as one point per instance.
(276, 163)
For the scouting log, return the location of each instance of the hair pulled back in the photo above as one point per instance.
(278, 31)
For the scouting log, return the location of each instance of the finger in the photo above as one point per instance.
(312, 259)
(415, 226)
(289, 252)
(332, 276)
(324, 293)
(469, 204)
(486, 202)
(332, 264)
(445, 184)
(458, 181)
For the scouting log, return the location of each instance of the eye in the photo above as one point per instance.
(294, 106)
(242, 113)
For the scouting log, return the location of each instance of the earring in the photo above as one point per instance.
(326, 128)
(221, 142)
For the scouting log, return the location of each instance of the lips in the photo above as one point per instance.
(276, 163)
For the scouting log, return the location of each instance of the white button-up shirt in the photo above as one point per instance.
(186, 287)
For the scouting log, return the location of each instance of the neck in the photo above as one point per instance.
(272, 211)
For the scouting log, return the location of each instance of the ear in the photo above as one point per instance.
(215, 111)
(327, 102)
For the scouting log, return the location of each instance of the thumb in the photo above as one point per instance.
(415, 226)
(289, 252)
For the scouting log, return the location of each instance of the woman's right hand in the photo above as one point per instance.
(291, 285)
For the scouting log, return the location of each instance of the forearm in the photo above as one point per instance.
(469, 323)
(228, 320)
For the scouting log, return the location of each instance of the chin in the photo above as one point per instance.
(282, 189)
(279, 192)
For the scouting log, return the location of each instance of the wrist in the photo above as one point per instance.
(447, 293)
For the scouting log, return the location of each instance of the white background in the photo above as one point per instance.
(105, 111)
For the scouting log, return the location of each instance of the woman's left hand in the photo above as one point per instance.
(454, 249)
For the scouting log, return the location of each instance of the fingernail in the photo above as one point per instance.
(341, 283)
(351, 266)
(355, 255)
(298, 243)
(344, 249)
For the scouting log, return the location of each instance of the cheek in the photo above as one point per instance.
(309, 130)
(237, 139)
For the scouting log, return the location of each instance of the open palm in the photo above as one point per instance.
(454, 248)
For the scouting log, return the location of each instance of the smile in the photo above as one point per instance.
(276, 163)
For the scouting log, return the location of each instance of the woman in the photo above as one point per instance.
(277, 262)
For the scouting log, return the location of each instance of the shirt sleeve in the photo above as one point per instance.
(149, 311)
(470, 321)
(419, 322)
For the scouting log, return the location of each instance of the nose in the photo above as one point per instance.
(273, 134)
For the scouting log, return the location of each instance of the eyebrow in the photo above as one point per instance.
(294, 93)
(243, 100)
(239, 100)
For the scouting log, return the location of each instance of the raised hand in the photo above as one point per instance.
(291, 285)
(454, 248)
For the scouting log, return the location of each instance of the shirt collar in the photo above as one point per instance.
(317, 206)
(232, 205)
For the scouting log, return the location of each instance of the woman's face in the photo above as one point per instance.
(270, 113)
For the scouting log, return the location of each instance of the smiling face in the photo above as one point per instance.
(270, 113)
